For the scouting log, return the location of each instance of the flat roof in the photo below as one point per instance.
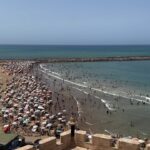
(5, 138)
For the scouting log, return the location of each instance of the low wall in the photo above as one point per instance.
(98, 142)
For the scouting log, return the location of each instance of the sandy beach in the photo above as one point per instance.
(4, 77)
(30, 106)
(37, 103)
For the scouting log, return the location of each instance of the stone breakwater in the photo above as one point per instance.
(28, 106)
(96, 142)
(83, 59)
(94, 59)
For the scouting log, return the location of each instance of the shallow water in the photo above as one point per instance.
(122, 88)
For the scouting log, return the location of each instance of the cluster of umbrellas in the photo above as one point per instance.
(28, 103)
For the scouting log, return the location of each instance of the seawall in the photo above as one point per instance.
(73, 59)
(97, 59)
(81, 142)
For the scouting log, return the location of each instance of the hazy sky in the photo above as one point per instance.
(74, 21)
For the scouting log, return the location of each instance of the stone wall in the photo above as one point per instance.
(97, 142)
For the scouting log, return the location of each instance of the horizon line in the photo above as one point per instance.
(74, 44)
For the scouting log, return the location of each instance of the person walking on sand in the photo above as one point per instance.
(72, 125)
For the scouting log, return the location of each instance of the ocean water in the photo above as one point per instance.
(122, 88)
(119, 77)
(47, 51)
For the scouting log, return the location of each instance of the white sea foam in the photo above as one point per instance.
(85, 92)
(97, 97)
(79, 107)
(88, 123)
(77, 89)
(56, 73)
(147, 98)
(107, 105)
(50, 73)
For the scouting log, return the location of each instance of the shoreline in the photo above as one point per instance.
(90, 104)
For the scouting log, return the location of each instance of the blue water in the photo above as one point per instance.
(46, 51)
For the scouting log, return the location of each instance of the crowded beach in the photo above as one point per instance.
(29, 107)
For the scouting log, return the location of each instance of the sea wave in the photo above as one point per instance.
(58, 76)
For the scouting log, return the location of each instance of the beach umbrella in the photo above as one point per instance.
(44, 123)
(5, 116)
(19, 118)
(44, 105)
(26, 107)
(46, 115)
(40, 107)
(15, 105)
(34, 129)
(6, 128)
(7, 99)
(6, 125)
(1, 100)
(42, 111)
(25, 121)
(63, 121)
(20, 109)
(24, 116)
(50, 101)
(15, 118)
(59, 119)
(10, 114)
(64, 111)
(48, 125)
(27, 112)
(11, 109)
(10, 102)
(36, 105)
(12, 91)
(33, 116)
(42, 128)
(19, 98)
(3, 109)
(14, 123)
(19, 114)
(59, 114)
(7, 111)
(141, 141)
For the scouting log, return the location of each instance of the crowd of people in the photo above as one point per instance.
(26, 107)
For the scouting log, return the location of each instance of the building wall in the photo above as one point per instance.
(98, 142)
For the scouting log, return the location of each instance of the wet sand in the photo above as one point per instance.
(96, 114)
